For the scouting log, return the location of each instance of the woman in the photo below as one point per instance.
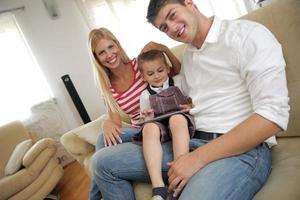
(121, 85)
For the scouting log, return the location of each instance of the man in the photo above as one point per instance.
(233, 70)
(235, 75)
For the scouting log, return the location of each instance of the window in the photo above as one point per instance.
(22, 84)
(127, 19)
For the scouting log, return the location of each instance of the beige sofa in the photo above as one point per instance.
(41, 170)
(283, 19)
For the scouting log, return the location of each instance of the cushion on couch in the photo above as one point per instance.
(15, 161)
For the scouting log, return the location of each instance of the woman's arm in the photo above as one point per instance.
(176, 65)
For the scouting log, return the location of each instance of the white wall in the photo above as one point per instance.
(60, 47)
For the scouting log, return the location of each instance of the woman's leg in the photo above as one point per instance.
(180, 135)
(126, 136)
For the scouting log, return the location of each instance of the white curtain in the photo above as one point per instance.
(127, 19)
(21, 82)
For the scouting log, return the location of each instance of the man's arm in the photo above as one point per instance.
(242, 138)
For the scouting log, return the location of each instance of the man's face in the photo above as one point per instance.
(178, 22)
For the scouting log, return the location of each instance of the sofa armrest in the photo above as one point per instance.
(80, 141)
(12, 184)
(36, 150)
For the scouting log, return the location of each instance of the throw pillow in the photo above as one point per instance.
(15, 161)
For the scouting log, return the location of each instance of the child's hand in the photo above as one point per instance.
(147, 114)
(186, 106)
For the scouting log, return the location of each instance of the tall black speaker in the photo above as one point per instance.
(76, 99)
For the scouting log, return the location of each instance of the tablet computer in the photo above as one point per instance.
(163, 116)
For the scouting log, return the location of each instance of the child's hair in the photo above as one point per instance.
(149, 56)
(156, 5)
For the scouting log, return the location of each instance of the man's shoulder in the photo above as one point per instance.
(238, 30)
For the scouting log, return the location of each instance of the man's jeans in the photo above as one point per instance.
(234, 178)
(126, 136)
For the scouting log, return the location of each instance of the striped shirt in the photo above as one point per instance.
(129, 100)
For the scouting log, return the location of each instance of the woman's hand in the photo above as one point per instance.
(111, 132)
(154, 46)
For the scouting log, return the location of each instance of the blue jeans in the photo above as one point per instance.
(126, 136)
(233, 178)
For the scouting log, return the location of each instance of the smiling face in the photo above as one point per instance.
(178, 21)
(108, 53)
(155, 72)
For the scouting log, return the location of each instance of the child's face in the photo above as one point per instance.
(155, 72)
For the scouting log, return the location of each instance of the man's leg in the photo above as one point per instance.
(117, 166)
(126, 136)
(233, 178)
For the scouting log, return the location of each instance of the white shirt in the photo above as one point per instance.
(144, 98)
(238, 71)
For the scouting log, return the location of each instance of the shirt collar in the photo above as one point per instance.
(213, 33)
(158, 89)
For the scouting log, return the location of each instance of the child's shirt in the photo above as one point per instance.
(144, 99)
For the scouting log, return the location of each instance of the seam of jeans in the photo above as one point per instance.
(245, 180)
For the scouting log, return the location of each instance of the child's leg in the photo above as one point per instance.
(152, 150)
(180, 135)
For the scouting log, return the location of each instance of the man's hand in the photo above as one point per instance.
(154, 46)
(181, 170)
(111, 133)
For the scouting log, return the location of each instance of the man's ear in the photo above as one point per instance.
(189, 3)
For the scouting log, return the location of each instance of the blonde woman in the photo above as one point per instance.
(121, 85)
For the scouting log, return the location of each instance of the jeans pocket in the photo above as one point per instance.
(250, 158)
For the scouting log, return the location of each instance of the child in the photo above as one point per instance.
(180, 127)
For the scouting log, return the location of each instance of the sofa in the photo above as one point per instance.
(40, 169)
(282, 17)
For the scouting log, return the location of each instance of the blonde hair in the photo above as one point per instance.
(101, 72)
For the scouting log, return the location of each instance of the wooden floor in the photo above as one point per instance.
(75, 184)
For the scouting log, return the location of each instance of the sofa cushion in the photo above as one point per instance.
(285, 176)
(15, 161)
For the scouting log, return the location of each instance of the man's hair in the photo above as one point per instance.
(150, 56)
(156, 5)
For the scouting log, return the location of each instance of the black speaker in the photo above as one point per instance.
(76, 99)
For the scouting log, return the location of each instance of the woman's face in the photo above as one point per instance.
(108, 53)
